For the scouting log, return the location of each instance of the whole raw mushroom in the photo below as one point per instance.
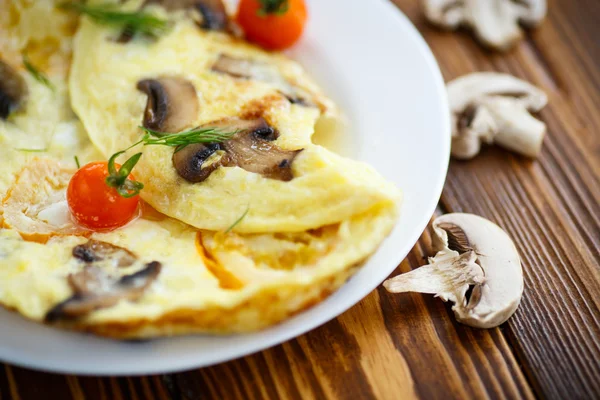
(476, 267)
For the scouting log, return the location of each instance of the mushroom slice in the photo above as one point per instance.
(96, 250)
(94, 289)
(13, 90)
(250, 149)
(212, 12)
(490, 107)
(172, 103)
(476, 266)
(259, 71)
(494, 22)
(36, 204)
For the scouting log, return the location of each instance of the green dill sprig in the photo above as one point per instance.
(197, 135)
(108, 14)
(39, 76)
(277, 7)
(237, 221)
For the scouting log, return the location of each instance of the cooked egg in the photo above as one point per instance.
(238, 251)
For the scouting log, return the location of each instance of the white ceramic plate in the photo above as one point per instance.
(373, 62)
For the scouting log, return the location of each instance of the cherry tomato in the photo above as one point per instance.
(273, 31)
(94, 204)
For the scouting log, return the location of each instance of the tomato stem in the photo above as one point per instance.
(277, 7)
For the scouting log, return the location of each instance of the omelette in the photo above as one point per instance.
(231, 235)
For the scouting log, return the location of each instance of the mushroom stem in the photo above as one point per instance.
(447, 272)
(518, 131)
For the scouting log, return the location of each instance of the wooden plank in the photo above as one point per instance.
(550, 207)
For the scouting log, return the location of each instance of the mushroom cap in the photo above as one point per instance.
(471, 88)
(13, 90)
(251, 148)
(172, 103)
(213, 13)
(501, 292)
(492, 107)
(495, 23)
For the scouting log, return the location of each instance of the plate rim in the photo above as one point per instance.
(341, 306)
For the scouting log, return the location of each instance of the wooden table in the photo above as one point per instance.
(408, 346)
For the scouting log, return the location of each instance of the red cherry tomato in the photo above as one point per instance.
(273, 31)
(94, 204)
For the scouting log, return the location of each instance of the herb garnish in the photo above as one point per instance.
(197, 135)
(108, 14)
(77, 162)
(278, 7)
(236, 223)
(128, 188)
(118, 178)
(39, 76)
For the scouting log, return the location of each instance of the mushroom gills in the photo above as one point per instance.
(259, 71)
(476, 267)
(172, 104)
(94, 251)
(94, 289)
(13, 90)
(250, 149)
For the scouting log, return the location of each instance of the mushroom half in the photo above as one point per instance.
(251, 148)
(476, 267)
(494, 22)
(94, 251)
(213, 15)
(490, 107)
(255, 70)
(13, 90)
(172, 103)
(95, 289)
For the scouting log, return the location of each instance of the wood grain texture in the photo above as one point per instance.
(409, 346)
(551, 207)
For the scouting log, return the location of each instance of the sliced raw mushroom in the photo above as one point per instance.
(476, 267)
(172, 103)
(13, 90)
(251, 69)
(93, 289)
(489, 107)
(213, 15)
(494, 22)
(94, 251)
(250, 149)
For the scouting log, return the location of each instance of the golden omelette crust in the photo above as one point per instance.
(272, 304)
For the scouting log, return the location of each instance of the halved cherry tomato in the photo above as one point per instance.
(96, 205)
(273, 24)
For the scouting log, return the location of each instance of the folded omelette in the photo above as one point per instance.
(232, 236)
